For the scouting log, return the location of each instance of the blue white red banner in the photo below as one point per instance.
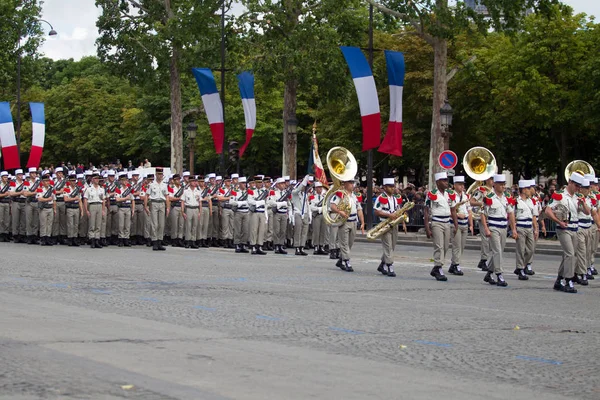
(212, 105)
(246, 85)
(10, 153)
(38, 135)
(392, 143)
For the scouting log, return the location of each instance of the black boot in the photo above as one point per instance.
(569, 288)
(501, 281)
(149, 242)
(121, 242)
(333, 254)
(300, 251)
(381, 268)
(521, 274)
(438, 274)
(74, 242)
(244, 249)
(187, 244)
(155, 245)
(194, 244)
(160, 246)
(254, 249)
(127, 243)
(92, 244)
(260, 251)
(98, 244)
(390, 271)
(489, 278)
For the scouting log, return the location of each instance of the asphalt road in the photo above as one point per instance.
(210, 324)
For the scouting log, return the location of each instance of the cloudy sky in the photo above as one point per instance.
(75, 22)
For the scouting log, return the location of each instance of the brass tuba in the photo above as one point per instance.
(579, 166)
(343, 167)
(480, 164)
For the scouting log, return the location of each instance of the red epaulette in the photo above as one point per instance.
(233, 193)
(359, 198)
(66, 190)
(452, 196)
(556, 196)
(272, 193)
(170, 189)
(39, 190)
(118, 191)
(598, 196)
(311, 198)
(129, 185)
(339, 194)
(432, 196)
(488, 201)
(512, 201)
(594, 202)
(26, 183)
(52, 183)
(533, 201)
(13, 184)
(221, 191)
(251, 192)
(383, 200)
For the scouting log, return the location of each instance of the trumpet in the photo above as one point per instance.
(385, 226)
(343, 167)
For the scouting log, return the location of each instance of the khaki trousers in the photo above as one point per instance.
(258, 226)
(203, 223)
(300, 229)
(241, 224)
(227, 223)
(18, 218)
(72, 222)
(46, 216)
(319, 230)
(347, 233)
(157, 215)
(105, 223)
(4, 217)
(138, 221)
(581, 253)
(270, 225)
(440, 232)
(191, 223)
(83, 225)
(124, 223)
(485, 244)
(59, 226)
(334, 236)
(388, 242)
(176, 222)
(94, 220)
(215, 223)
(593, 244)
(112, 221)
(459, 241)
(525, 247)
(497, 243)
(32, 218)
(279, 228)
(568, 242)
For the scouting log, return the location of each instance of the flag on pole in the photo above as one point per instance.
(392, 143)
(246, 84)
(212, 105)
(8, 140)
(315, 166)
(38, 134)
(368, 100)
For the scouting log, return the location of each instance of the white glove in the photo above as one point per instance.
(305, 180)
(281, 203)
(242, 203)
(260, 203)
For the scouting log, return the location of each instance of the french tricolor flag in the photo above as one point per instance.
(212, 105)
(246, 84)
(7, 138)
(38, 134)
(392, 143)
(367, 96)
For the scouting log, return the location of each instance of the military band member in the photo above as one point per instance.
(595, 200)
(191, 206)
(302, 214)
(477, 201)
(176, 217)
(93, 200)
(498, 213)
(347, 230)
(563, 209)
(464, 219)
(160, 205)
(258, 218)
(386, 205)
(279, 204)
(4, 206)
(32, 211)
(526, 214)
(319, 227)
(59, 227)
(17, 191)
(586, 214)
(47, 209)
(205, 212)
(124, 199)
(241, 221)
(74, 209)
(227, 215)
(439, 205)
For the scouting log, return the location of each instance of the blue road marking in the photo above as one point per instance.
(100, 291)
(537, 359)
(152, 299)
(268, 318)
(433, 343)
(350, 331)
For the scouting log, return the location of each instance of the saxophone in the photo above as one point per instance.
(385, 226)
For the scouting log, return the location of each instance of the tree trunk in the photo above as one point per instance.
(440, 92)
(289, 140)
(176, 115)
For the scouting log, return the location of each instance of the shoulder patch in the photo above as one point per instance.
(383, 200)
(557, 196)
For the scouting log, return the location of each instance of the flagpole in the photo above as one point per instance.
(222, 157)
(369, 199)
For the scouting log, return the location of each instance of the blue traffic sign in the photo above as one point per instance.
(448, 159)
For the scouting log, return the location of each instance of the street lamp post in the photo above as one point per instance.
(292, 129)
(51, 33)
(446, 122)
(192, 129)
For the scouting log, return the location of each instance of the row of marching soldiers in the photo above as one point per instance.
(574, 210)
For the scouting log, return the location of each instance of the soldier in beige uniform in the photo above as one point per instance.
(124, 200)
(205, 212)
(160, 204)
(4, 206)
(278, 203)
(241, 221)
(498, 213)
(138, 218)
(176, 217)
(74, 209)
(59, 227)
(227, 215)
(191, 208)
(93, 200)
(477, 201)
(594, 200)
(464, 220)
(586, 214)
(83, 182)
(17, 191)
(385, 206)
(347, 230)
(527, 229)
(301, 214)
(32, 210)
(258, 218)
(319, 227)
(47, 209)
(112, 216)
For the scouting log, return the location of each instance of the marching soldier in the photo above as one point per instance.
(4, 206)
(160, 205)
(17, 193)
(279, 204)
(241, 219)
(84, 220)
(176, 217)
(32, 211)
(138, 218)
(258, 218)
(526, 213)
(302, 215)
(319, 227)
(215, 217)
(227, 217)
(191, 210)
(332, 239)
(595, 201)
(205, 212)
(268, 244)
(386, 205)
(477, 201)
(74, 209)
(93, 200)
(563, 209)
(464, 224)
(124, 200)
(498, 213)
(347, 230)
(112, 216)
(59, 227)
(149, 178)
(439, 205)
(586, 214)
(46, 200)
